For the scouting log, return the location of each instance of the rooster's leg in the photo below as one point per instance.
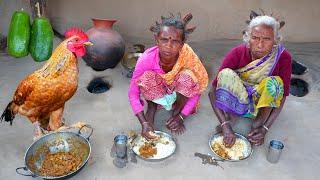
(56, 119)
(37, 130)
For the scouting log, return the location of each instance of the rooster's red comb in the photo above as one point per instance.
(76, 31)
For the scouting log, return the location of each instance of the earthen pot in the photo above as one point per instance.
(108, 45)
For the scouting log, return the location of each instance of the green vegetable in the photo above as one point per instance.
(19, 34)
(41, 41)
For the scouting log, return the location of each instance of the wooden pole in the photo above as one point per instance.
(42, 8)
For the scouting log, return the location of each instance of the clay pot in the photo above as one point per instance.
(108, 45)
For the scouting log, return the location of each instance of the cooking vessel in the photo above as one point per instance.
(53, 143)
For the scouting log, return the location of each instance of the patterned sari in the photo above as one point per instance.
(245, 90)
(187, 77)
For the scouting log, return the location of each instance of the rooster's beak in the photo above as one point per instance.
(88, 43)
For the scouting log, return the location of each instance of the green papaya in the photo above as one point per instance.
(41, 40)
(19, 34)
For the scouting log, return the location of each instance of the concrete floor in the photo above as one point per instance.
(298, 126)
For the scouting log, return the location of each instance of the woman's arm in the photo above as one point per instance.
(190, 105)
(274, 114)
(257, 135)
(218, 112)
(229, 137)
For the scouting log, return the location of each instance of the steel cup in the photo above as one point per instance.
(120, 144)
(274, 151)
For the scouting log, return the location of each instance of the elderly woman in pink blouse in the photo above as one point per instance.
(169, 75)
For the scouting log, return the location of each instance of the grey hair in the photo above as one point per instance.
(263, 20)
(175, 21)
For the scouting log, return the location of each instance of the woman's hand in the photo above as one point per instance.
(146, 129)
(147, 126)
(175, 124)
(257, 135)
(229, 138)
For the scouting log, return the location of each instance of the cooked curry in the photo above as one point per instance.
(148, 150)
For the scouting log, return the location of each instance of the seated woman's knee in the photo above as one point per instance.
(226, 72)
(273, 79)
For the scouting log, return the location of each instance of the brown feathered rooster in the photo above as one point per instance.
(41, 96)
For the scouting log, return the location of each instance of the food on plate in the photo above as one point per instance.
(237, 152)
(154, 135)
(148, 150)
(155, 149)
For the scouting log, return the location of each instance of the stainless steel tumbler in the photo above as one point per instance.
(274, 152)
(120, 143)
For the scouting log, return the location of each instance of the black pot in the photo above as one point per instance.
(108, 45)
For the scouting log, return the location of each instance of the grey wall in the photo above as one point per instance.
(215, 19)
(7, 7)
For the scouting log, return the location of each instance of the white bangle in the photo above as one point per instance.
(265, 127)
(181, 117)
(224, 123)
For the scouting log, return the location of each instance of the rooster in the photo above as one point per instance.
(42, 95)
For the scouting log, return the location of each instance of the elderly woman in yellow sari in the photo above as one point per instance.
(253, 81)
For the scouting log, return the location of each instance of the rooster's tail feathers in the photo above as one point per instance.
(8, 114)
